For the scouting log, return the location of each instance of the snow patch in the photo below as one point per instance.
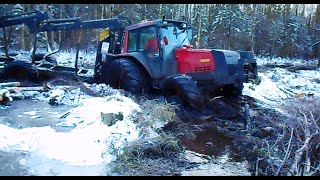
(90, 143)
(279, 84)
(267, 91)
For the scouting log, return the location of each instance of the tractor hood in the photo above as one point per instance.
(194, 60)
(221, 66)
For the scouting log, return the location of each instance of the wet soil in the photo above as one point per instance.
(210, 142)
(221, 129)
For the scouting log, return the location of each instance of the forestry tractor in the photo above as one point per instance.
(154, 54)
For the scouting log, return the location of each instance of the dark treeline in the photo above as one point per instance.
(285, 30)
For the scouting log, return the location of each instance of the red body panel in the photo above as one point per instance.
(125, 42)
(194, 60)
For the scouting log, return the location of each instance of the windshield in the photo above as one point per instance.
(176, 37)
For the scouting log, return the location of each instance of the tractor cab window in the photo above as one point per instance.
(175, 36)
(144, 40)
(132, 41)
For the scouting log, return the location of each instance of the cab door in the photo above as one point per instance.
(145, 41)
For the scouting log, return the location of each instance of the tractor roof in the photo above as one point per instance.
(158, 22)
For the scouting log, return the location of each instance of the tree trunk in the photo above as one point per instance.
(160, 10)
(46, 9)
(5, 42)
(60, 34)
(254, 21)
(145, 12)
(296, 9)
(23, 43)
(186, 6)
(199, 28)
(303, 10)
(210, 22)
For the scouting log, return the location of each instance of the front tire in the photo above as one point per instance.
(183, 88)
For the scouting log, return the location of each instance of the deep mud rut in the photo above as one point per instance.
(221, 129)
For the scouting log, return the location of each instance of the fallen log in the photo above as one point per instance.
(13, 89)
(18, 96)
(20, 89)
(9, 93)
(5, 95)
(303, 67)
(39, 88)
(10, 84)
(4, 92)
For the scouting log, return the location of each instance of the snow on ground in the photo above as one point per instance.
(89, 143)
(65, 58)
(86, 59)
(266, 93)
(221, 166)
(279, 84)
(282, 61)
(300, 82)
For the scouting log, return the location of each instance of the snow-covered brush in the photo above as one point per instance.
(294, 148)
(149, 157)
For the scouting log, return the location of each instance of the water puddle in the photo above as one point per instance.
(209, 141)
(33, 113)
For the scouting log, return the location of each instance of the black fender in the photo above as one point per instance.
(141, 60)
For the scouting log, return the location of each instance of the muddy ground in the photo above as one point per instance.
(223, 127)
(216, 130)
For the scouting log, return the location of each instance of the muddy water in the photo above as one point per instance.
(209, 141)
(32, 113)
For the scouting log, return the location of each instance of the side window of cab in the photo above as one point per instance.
(132, 41)
(149, 41)
(143, 39)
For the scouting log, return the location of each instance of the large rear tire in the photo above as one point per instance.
(21, 71)
(125, 74)
(183, 90)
